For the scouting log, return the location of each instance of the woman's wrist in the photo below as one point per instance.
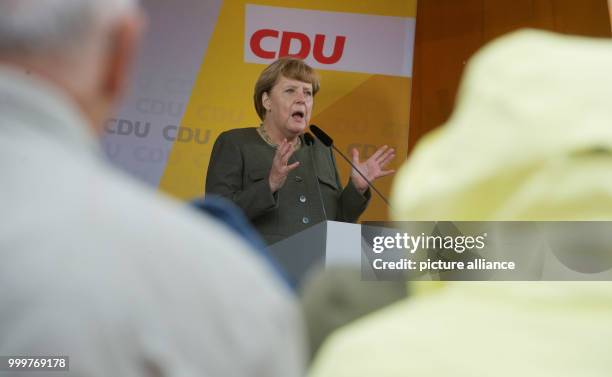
(361, 188)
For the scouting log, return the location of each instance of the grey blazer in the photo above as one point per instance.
(238, 170)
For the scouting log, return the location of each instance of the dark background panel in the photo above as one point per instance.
(448, 32)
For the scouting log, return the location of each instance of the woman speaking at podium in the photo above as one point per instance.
(284, 181)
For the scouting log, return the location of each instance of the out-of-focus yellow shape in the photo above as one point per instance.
(530, 139)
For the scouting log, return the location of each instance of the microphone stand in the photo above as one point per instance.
(309, 139)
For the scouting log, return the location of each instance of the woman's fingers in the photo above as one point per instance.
(280, 167)
(281, 158)
(288, 168)
(355, 156)
(379, 152)
(287, 152)
(282, 153)
(384, 154)
(387, 158)
(384, 173)
(278, 155)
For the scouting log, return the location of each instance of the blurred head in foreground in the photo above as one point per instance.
(95, 266)
(83, 47)
(530, 139)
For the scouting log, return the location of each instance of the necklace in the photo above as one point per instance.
(264, 135)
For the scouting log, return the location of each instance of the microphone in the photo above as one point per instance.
(309, 140)
(329, 142)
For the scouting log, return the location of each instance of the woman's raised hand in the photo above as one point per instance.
(372, 168)
(280, 169)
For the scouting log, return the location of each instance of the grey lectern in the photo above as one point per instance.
(328, 243)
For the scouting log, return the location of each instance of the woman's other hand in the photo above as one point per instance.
(372, 168)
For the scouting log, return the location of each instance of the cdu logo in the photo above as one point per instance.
(336, 41)
(290, 40)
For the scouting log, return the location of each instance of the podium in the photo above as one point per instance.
(329, 243)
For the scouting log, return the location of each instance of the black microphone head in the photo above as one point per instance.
(308, 138)
(322, 136)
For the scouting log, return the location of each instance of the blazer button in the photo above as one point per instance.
(298, 178)
(305, 220)
(302, 199)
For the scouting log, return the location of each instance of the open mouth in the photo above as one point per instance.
(298, 116)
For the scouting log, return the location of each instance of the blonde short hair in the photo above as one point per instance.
(290, 68)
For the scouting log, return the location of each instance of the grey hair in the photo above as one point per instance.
(30, 27)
